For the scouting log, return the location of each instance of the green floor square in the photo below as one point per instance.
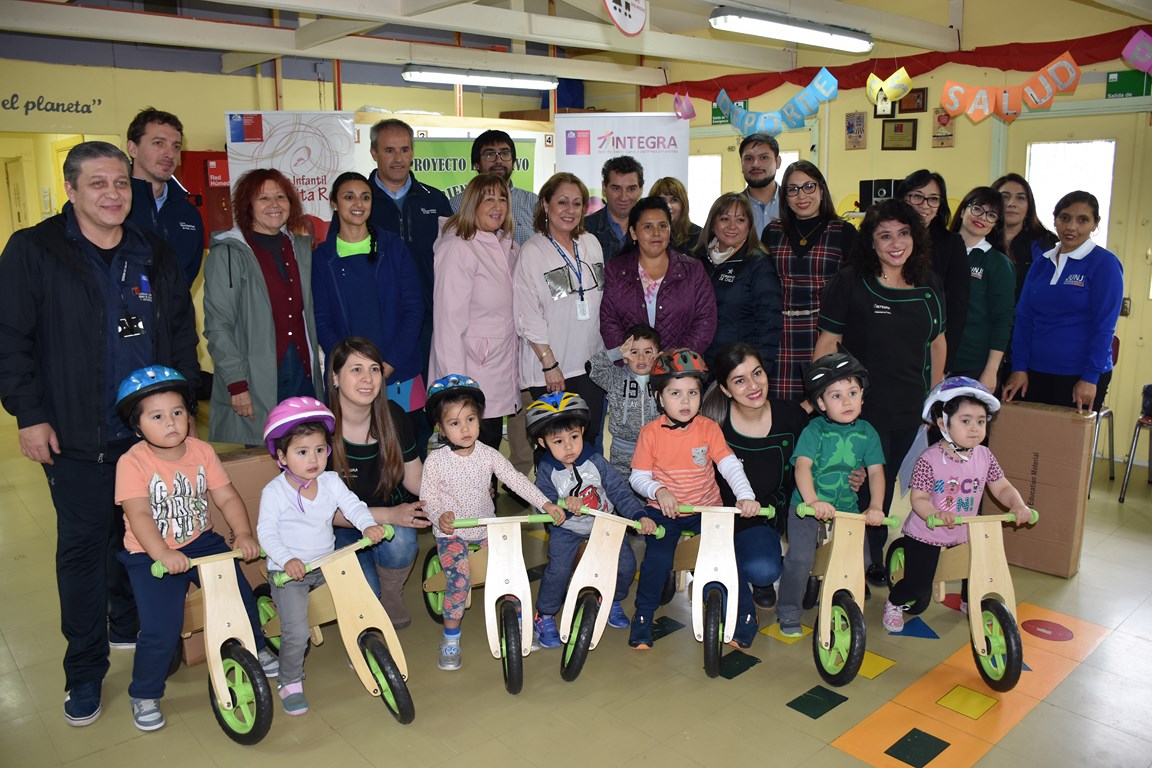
(917, 748)
(817, 702)
(735, 663)
(664, 626)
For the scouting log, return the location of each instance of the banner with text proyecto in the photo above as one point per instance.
(447, 164)
(658, 141)
(979, 102)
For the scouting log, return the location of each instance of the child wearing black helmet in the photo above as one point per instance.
(828, 451)
(164, 483)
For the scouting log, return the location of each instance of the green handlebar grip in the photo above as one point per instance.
(389, 532)
(541, 518)
(891, 521)
(562, 503)
(804, 510)
(280, 578)
(768, 511)
(466, 522)
(933, 521)
(158, 569)
(1032, 520)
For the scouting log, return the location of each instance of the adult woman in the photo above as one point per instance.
(475, 333)
(258, 309)
(684, 232)
(1061, 344)
(926, 192)
(1023, 236)
(559, 281)
(375, 453)
(365, 283)
(808, 245)
(653, 284)
(747, 288)
(887, 309)
(992, 300)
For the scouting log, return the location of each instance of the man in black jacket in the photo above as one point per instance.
(85, 299)
(622, 178)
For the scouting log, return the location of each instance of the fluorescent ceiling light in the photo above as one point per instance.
(415, 73)
(792, 30)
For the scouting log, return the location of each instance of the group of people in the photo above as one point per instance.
(698, 342)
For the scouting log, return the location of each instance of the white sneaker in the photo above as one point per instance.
(449, 655)
(893, 617)
(147, 715)
(269, 663)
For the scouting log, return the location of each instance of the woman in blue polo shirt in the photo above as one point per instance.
(1062, 340)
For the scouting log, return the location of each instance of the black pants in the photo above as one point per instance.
(1056, 389)
(895, 444)
(492, 431)
(920, 561)
(94, 590)
(592, 394)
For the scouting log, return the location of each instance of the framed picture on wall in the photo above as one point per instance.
(883, 106)
(898, 135)
(915, 101)
(855, 131)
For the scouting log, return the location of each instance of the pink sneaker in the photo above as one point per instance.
(893, 617)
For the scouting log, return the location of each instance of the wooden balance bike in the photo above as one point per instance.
(837, 584)
(237, 688)
(996, 645)
(711, 556)
(370, 641)
(507, 593)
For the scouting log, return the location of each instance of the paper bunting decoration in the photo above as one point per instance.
(682, 106)
(895, 87)
(980, 102)
(823, 87)
(1138, 52)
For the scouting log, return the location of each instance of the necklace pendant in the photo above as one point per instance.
(803, 242)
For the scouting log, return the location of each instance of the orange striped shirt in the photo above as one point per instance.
(682, 459)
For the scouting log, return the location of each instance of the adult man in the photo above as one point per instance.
(495, 152)
(159, 203)
(622, 179)
(759, 159)
(85, 299)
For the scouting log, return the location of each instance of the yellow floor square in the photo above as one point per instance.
(874, 665)
(967, 702)
(773, 631)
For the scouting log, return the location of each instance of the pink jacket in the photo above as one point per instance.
(473, 328)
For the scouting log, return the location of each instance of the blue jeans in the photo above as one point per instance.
(562, 548)
(758, 561)
(160, 603)
(400, 552)
(658, 557)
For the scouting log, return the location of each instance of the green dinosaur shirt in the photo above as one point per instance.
(836, 450)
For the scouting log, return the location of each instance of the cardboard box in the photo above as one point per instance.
(1045, 452)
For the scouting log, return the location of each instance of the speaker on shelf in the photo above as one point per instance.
(877, 190)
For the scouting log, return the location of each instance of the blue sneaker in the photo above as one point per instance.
(546, 631)
(617, 619)
(82, 704)
(640, 637)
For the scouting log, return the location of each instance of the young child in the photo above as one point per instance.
(164, 483)
(630, 401)
(948, 482)
(673, 465)
(455, 485)
(295, 525)
(828, 450)
(569, 469)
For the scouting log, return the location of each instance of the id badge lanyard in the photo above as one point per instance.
(582, 311)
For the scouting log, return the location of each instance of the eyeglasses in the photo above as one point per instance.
(987, 214)
(492, 154)
(918, 199)
(807, 188)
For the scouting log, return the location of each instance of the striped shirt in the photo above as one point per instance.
(682, 459)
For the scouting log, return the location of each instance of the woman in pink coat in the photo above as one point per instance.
(474, 331)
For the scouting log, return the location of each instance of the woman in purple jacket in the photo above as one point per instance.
(655, 285)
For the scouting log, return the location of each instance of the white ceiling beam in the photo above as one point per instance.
(414, 7)
(326, 30)
(881, 25)
(148, 29)
(1141, 9)
(234, 61)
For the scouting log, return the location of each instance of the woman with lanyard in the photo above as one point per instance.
(808, 244)
(558, 285)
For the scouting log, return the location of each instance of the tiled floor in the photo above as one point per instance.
(627, 708)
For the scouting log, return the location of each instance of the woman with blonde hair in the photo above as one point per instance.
(684, 232)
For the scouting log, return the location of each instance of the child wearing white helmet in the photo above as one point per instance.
(949, 482)
(295, 525)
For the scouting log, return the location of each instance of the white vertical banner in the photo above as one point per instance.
(310, 148)
(658, 141)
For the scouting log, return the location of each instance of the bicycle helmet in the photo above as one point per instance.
(552, 407)
(829, 369)
(675, 364)
(294, 411)
(949, 389)
(151, 380)
(452, 384)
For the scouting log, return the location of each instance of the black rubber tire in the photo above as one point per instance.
(266, 609)
(669, 590)
(1001, 668)
(177, 659)
(512, 661)
(894, 572)
(251, 717)
(575, 652)
(840, 664)
(713, 630)
(811, 593)
(393, 690)
(433, 601)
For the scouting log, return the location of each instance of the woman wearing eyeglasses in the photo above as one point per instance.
(926, 192)
(808, 245)
(992, 299)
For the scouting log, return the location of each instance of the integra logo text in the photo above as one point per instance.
(611, 140)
